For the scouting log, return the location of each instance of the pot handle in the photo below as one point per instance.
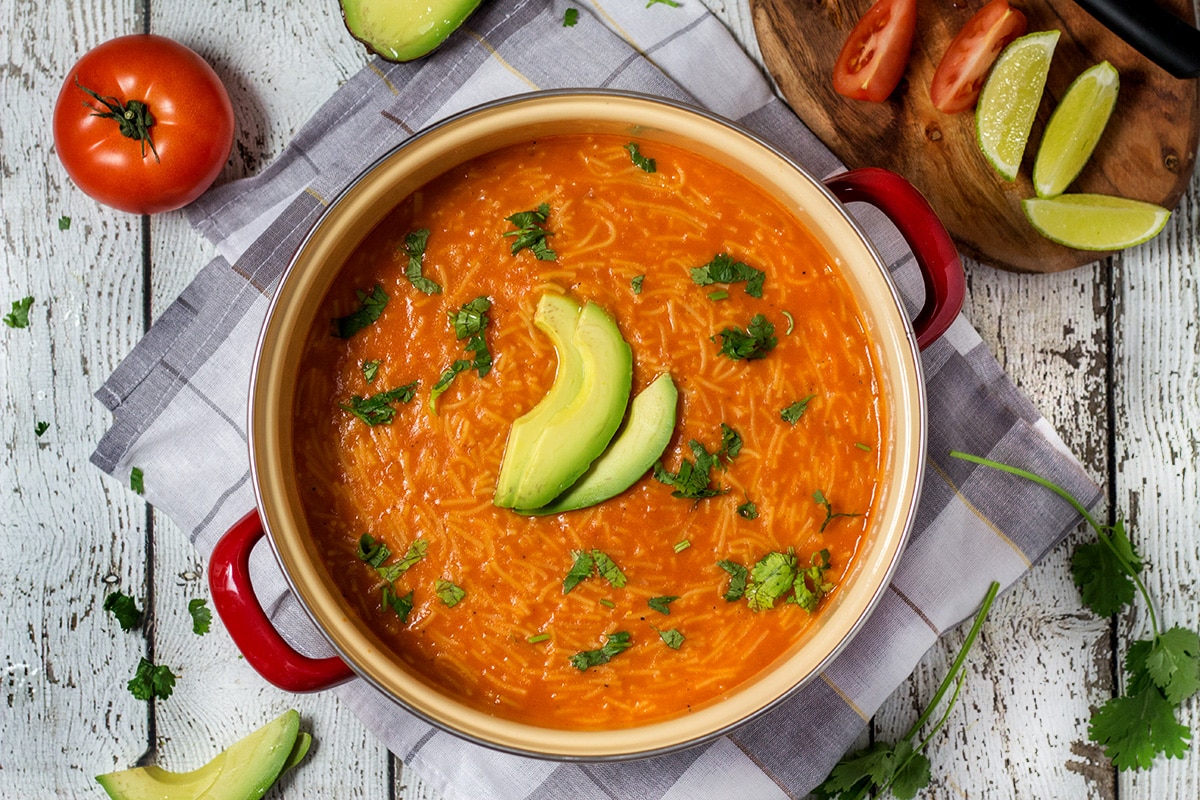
(936, 256)
(265, 650)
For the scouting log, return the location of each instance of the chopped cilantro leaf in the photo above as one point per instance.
(691, 481)
(754, 342)
(377, 409)
(738, 575)
(748, 510)
(414, 248)
(639, 160)
(662, 604)
(468, 321)
(636, 283)
(731, 443)
(608, 569)
(530, 235)
(792, 414)
(124, 608)
(370, 369)
(830, 516)
(19, 316)
(770, 579)
(671, 638)
(40, 427)
(615, 643)
(723, 269)
(402, 606)
(151, 681)
(448, 592)
(201, 615)
(570, 17)
(580, 571)
(416, 552)
(64, 223)
(371, 305)
(372, 551)
(137, 480)
(810, 585)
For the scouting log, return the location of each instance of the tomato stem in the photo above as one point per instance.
(134, 118)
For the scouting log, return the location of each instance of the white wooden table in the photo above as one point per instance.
(1109, 352)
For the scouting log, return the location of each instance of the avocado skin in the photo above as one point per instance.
(403, 30)
(634, 449)
(570, 438)
(243, 771)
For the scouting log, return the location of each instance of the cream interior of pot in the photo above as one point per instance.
(366, 202)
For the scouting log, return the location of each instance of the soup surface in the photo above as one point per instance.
(489, 617)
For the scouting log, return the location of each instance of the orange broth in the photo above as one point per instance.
(432, 476)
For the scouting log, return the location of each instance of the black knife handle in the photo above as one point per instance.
(1153, 31)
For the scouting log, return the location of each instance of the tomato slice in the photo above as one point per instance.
(875, 54)
(963, 68)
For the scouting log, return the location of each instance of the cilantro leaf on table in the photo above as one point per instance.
(19, 316)
(152, 681)
(371, 305)
(201, 615)
(40, 427)
(902, 768)
(1164, 670)
(124, 608)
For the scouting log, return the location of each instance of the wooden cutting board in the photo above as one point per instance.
(1148, 151)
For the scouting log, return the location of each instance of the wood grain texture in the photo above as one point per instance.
(1147, 152)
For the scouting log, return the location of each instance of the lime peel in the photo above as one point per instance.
(1075, 128)
(1009, 100)
(1095, 221)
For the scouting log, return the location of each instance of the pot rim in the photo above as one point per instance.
(913, 392)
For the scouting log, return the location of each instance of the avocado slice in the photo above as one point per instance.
(634, 449)
(557, 316)
(551, 446)
(243, 771)
(401, 30)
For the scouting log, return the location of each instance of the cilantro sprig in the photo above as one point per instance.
(902, 768)
(530, 234)
(1163, 671)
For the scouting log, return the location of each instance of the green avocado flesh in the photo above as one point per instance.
(243, 771)
(634, 449)
(551, 446)
(401, 30)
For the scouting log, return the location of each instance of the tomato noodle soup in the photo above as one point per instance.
(628, 240)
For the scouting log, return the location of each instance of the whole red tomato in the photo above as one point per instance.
(873, 59)
(963, 68)
(143, 124)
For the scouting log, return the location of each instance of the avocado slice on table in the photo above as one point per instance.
(402, 30)
(243, 771)
(633, 451)
(551, 446)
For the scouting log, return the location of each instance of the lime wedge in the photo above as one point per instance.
(1009, 100)
(1074, 129)
(1095, 221)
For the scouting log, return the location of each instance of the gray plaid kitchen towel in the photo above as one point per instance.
(179, 399)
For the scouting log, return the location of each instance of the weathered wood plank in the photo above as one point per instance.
(69, 534)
